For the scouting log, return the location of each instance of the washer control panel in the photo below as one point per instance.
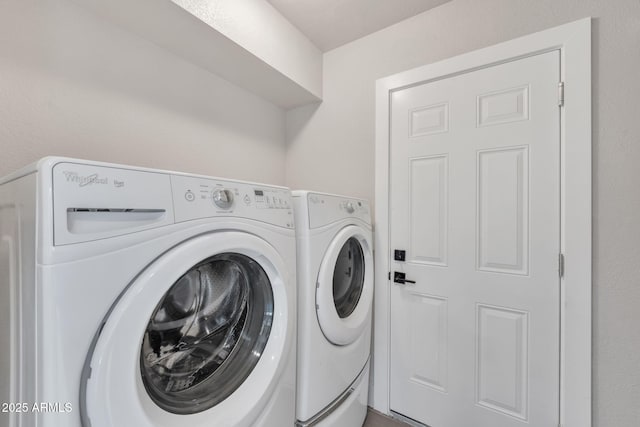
(196, 197)
(325, 209)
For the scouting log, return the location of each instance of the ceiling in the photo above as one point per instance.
(332, 23)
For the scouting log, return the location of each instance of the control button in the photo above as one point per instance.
(247, 199)
(222, 198)
(349, 207)
(189, 196)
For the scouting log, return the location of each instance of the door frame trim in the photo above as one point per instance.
(573, 40)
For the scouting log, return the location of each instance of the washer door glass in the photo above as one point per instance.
(348, 277)
(207, 334)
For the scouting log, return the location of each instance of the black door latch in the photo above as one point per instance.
(400, 278)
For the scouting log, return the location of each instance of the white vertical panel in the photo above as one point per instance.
(501, 360)
(9, 223)
(502, 208)
(428, 210)
(428, 355)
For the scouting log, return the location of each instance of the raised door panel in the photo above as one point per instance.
(428, 210)
(428, 120)
(428, 341)
(502, 352)
(502, 206)
(503, 106)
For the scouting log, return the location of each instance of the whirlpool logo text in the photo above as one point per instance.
(83, 181)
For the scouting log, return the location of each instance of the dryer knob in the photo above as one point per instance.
(223, 198)
(349, 207)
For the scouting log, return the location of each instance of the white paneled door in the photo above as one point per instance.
(475, 191)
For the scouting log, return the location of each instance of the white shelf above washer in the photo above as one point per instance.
(183, 30)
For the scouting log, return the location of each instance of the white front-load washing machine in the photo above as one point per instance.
(335, 293)
(132, 297)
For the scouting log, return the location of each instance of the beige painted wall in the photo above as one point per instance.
(72, 84)
(331, 148)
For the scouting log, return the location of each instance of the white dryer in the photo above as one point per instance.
(141, 298)
(335, 292)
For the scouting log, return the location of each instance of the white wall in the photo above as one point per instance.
(72, 84)
(331, 148)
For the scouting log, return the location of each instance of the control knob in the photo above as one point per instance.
(349, 207)
(223, 198)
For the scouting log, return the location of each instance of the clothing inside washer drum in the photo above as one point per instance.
(207, 334)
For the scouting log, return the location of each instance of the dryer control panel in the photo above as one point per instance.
(325, 209)
(196, 197)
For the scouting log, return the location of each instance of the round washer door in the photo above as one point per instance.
(345, 286)
(198, 337)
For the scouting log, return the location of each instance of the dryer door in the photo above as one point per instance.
(199, 337)
(345, 286)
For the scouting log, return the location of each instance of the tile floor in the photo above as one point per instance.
(376, 419)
